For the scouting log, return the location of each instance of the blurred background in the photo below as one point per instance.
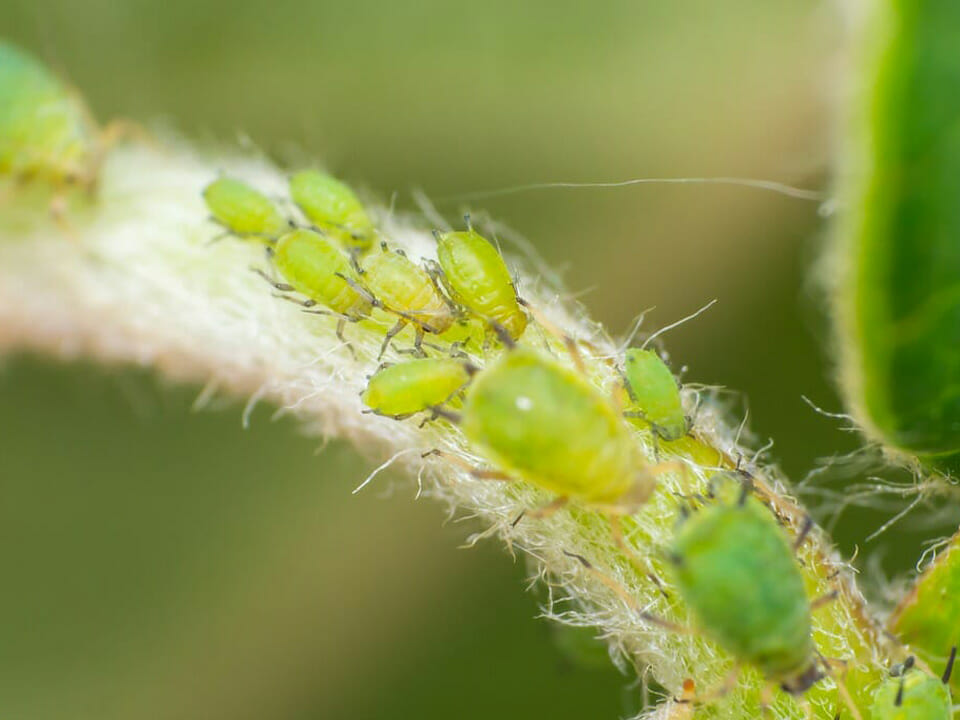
(164, 563)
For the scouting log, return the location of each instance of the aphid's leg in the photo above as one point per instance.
(824, 600)
(620, 592)
(282, 287)
(641, 564)
(476, 473)
(559, 334)
(341, 326)
(361, 290)
(391, 333)
(418, 343)
(542, 511)
(804, 531)
(831, 666)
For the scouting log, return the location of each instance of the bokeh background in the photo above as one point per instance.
(164, 563)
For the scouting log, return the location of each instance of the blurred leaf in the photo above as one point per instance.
(902, 304)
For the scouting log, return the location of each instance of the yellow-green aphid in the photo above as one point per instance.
(736, 570)
(243, 211)
(543, 423)
(654, 394)
(406, 290)
(477, 278)
(334, 208)
(912, 694)
(47, 132)
(413, 386)
(318, 270)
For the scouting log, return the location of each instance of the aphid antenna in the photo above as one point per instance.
(634, 329)
(679, 322)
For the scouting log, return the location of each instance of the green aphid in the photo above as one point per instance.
(334, 208)
(736, 571)
(407, 388)
(318, 270)
(654, 394)
(543, 423)
(243, 211)
(47, 132)
(912, 694)
(405, 289)
(476, 277)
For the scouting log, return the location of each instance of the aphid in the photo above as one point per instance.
(334, 208)
(477, 278)
(315, 268)
(243, 211)
(546, 424)
(407, 388)
(736, 571)
(654, 394)
(47, 132)
(405, 289)
(912, 694)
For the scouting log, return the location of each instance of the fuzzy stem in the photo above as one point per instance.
(136, 280)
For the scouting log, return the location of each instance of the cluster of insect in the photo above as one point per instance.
(538, 419)
(533, 416)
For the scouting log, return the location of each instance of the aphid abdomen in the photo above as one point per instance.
(546, 424)
(736, 571)
(243, 211)
(334, 208)
(479, 279)
(654, 393)
(315, 268)
(46, 130)
(415, 385)
(405, 288)
(921, 697)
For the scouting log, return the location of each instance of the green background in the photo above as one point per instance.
(164, 563)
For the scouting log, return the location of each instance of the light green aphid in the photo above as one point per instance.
(334, 208)
(318, 270)
(914, 695)
(736, 571)
(243, 211)
(413, 386)
(47, 132)
(543, 423)
(654, 394)
(406, 290)
(477, 278)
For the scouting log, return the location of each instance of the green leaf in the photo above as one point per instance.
(899, 304)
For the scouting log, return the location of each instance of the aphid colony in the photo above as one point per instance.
(536, 416)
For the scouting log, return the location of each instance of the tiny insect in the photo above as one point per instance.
(736, 570)
(541, 422)
(318, 270)
(243, 211)
(405, 289)
(654, 394)
(407, 388)
(47, 132)
(476, 278)
(912, 694)
(334, 208)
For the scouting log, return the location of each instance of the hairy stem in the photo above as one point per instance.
(135, 279)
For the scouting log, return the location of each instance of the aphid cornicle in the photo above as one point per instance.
(405, 289)
(318, 270)
(334, 208)
(543, 423)
(736, 570)
(476, 277)
(243, 211)
(654, 394)
(47, 132)
(409, 387)
(912, 694)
